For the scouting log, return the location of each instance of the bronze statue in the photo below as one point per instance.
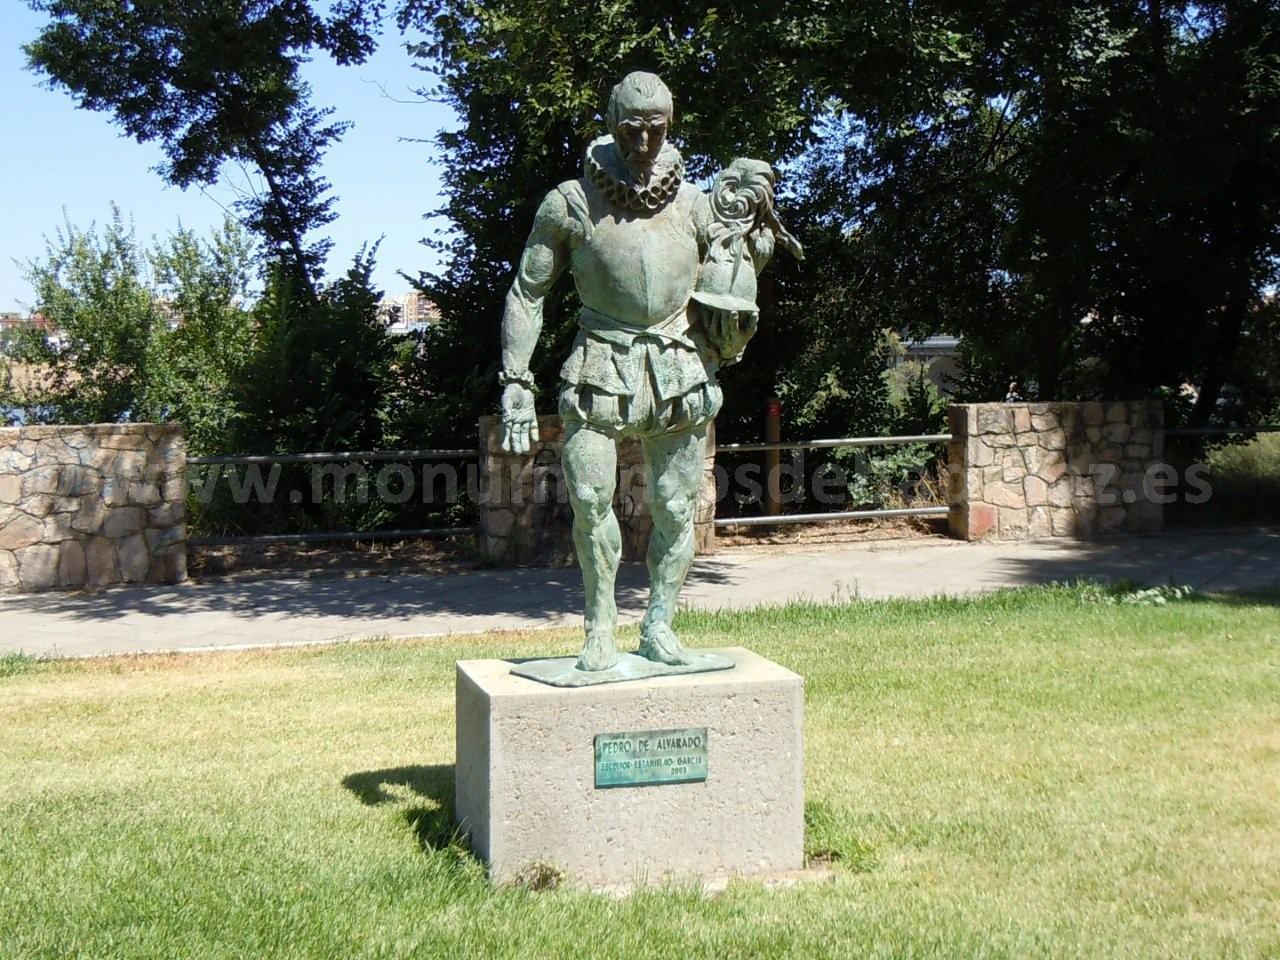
(667, 279)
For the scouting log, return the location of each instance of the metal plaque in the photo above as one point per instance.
(644, 757)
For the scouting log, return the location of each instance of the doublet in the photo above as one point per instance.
(637, 365)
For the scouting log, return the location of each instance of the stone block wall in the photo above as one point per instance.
(92, 505)
(525, 517)
(1029, 470)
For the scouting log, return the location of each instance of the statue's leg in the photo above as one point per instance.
(591, 469)
(674, 464)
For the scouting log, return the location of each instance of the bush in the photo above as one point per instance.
(318, 377)
(153, 334)
(1245, 478)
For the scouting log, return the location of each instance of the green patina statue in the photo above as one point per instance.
(667, 279)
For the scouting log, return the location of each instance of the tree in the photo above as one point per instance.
(529, 81)
(142, 334)
(318, 377)
(1095, 207)
(1186, 283)
(205, 286)
(1085, 191)
(94, 290)
(216, 81)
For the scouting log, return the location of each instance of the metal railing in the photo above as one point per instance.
(339, 457)
(769, 520)
(728, 448)
(838, 442)
(333, 536)
(1220, 431)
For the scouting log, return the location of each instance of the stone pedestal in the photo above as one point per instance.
(531, 790)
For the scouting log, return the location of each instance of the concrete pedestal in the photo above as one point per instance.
(527, 774)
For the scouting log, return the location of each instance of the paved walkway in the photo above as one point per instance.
(230, 615)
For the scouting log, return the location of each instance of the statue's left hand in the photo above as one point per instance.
(730, 330)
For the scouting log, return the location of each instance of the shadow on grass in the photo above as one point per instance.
(1246, 598)
(432, 782)
(432, 822)
(1130, 591)
(1213, 560)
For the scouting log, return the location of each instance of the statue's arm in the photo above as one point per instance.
(544, 258)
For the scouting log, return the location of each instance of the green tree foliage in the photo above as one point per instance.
(120, 353)
(529, 80)
(918, 405)
(1093, 205)
(319, 376)
(206, 287)
(175, 332)
(95, 290)
(1085, 191)
(213, 81)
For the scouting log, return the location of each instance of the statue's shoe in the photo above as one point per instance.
(659, 643)
(600, 652)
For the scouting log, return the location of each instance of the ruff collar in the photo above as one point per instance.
(606, 170)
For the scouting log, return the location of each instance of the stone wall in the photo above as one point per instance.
(92, 505)
(1027, 470)
(525, 517)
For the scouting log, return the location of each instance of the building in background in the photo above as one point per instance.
(12, 321)
(939, 358)
(408, 312)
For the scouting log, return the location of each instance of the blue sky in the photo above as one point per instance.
(57, 157)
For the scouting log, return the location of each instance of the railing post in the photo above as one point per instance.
(773, 458)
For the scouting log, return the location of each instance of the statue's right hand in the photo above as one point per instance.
(519, 419)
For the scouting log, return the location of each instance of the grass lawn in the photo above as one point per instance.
(1031, 774)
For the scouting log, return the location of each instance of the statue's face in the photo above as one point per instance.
(640, 137)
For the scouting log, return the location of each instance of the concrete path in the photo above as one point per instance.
(230, 615)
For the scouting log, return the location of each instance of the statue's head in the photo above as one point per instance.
(639, 116)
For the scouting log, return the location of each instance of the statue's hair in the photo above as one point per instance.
(636, 91)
